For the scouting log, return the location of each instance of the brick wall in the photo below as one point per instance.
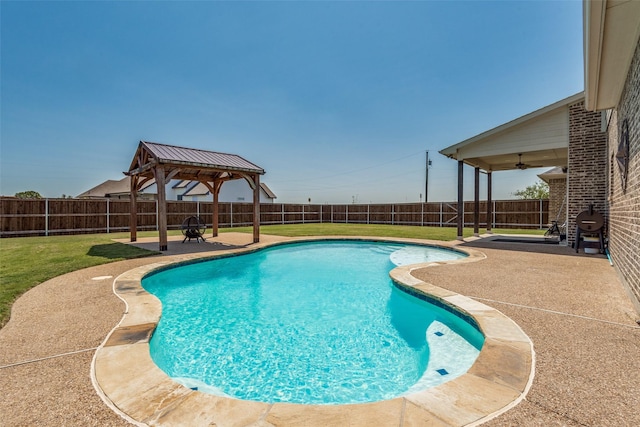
(557, 200)
(624, 207)
(587, 175)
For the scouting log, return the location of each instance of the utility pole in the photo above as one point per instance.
(426, 182)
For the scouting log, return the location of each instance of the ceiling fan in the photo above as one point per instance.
(521, 165)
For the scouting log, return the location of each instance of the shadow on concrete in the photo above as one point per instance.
(119, 251)
(176, 247)
(526, 244)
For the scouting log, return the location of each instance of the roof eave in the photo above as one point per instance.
(452, 151)
(210, 166)
(611, 33)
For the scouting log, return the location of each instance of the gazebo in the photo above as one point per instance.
(166, 162)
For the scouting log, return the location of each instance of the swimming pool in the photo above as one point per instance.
(313, 323)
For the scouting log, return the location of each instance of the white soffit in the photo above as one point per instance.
(611, 32)
(540, 137)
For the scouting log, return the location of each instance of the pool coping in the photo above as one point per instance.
(129, 382)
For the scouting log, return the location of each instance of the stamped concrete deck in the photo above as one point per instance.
(573, 307)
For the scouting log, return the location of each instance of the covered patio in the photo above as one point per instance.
(538, 139)
(166, 162)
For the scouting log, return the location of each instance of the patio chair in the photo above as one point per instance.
(193, 228)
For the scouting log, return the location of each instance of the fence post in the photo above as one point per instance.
(230, 214)
(46, 217)
(303, 213)
(157, 213)
(321, 217)
(107, 216)
(368, 213)
(331, 214)
(198, 207)
(494, 215)
(422, 215)
(441, 214)
(393, 212)
(541, 214)
(346, 216)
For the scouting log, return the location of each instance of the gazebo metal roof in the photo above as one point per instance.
(192, 162)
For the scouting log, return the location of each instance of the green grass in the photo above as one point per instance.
(373, 230)
(28, 261)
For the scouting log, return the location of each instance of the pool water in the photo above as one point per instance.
(312, 323)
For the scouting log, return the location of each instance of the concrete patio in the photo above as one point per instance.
(573, 307)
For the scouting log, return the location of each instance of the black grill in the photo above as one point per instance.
(590, 222)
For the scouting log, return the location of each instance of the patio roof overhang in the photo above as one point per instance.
(611, 33)
(538, 139)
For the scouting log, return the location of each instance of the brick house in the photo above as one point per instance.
(592, 139)
(612, 85)
(556, 179)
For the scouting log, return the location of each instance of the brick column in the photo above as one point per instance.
(587, 174)
(558, 200)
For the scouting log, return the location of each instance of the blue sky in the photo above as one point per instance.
(337, 101)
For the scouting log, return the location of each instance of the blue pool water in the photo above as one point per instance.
(312, 323)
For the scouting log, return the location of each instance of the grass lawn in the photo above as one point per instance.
(28, 261)
(373, 230)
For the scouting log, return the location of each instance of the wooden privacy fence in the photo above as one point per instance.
(43, 217)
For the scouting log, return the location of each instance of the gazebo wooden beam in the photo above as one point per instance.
(215, 192)
(133, 218)
(256, 209)
(172, 174)
(162, 206)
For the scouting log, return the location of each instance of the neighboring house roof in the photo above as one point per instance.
(555, 173)
(268, 191)
(113, 187)
(182, 184)
(110, 187)
(197, 190)
(611, 33)
(537, 139)
(202, 190)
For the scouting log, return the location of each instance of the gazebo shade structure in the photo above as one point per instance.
(166, 162)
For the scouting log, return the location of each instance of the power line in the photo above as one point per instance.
(351, 171)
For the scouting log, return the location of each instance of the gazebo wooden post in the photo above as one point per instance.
(133, 208)
(216, 193)
(489, 203)
(162, 206)
(476, 202)
(460, 200)
(256, 208)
